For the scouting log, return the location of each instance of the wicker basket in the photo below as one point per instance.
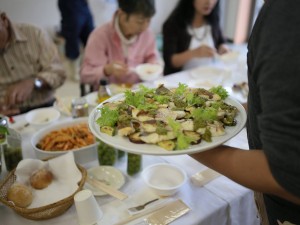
(44, 212)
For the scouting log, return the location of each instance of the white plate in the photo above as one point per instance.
(109, 175)
(114, 89)
(64, 105)
(91, 98)
(208, 77)
(229, 57)
(42, 116)
(124, 144)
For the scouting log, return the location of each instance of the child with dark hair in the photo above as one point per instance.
(146, 8)
(121, 44)
(192, 35)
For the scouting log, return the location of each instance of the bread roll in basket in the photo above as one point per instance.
(44, 212)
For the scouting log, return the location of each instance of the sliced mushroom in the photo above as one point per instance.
(187, 125)
(216, 129)
(152, 138)
(126, 131)
(136, 138)
(149, 126)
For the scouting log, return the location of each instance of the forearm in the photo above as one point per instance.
(248, 168)
(178, 60)
(91, 74)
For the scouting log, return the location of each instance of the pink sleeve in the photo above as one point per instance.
(152, 54)
(94, 59)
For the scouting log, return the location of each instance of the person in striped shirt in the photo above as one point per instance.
(30, 68)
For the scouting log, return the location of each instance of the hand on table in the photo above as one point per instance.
(204, 51)
(223, 49)
(116, 69)
(19, 92)
(4, 110)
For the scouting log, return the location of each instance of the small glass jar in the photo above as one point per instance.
(80, 107)
(107, 154)
(134, 163)
(3, 121)
(12, 150)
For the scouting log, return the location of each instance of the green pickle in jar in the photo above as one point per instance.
(107, 154)
(12, 150)
(121, 154)
(12, 156)
(134, 163)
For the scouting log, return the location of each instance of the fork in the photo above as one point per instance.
(141, 207)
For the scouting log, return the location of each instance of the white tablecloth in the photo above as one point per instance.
(219, 202)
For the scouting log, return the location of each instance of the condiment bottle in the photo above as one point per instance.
(103, 92)
(134, 163)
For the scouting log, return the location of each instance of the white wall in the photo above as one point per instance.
(45, 13)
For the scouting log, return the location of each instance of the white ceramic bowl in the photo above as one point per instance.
(165, 179)
(148, 71)
(82, 155)
(42, 116)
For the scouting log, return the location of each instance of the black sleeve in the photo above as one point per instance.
(175, 40)
(274, 79)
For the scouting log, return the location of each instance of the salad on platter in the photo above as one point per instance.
(173, 119)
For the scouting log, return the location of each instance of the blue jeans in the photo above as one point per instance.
(76, 25)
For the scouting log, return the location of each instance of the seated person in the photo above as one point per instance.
(30, 68)
(192, 35)
(116, 47)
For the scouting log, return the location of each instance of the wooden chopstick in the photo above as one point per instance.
(107, 189)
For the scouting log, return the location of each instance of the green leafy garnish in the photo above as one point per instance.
(162, 99)
(134, 98)
(219, 90)
(108, 117)
(202, 116)
(161, 128)
(193, 99)
(3, 130)
(182, 141)
(145, 90)
(180, 90)
(207, 114)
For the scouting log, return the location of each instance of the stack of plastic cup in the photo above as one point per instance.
(88, 210)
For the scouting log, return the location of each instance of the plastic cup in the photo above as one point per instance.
(88, 210)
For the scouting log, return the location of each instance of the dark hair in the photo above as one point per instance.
(143, 7)
(184, 13)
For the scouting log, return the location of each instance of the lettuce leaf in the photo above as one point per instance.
(108, 117)
(219, 90)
